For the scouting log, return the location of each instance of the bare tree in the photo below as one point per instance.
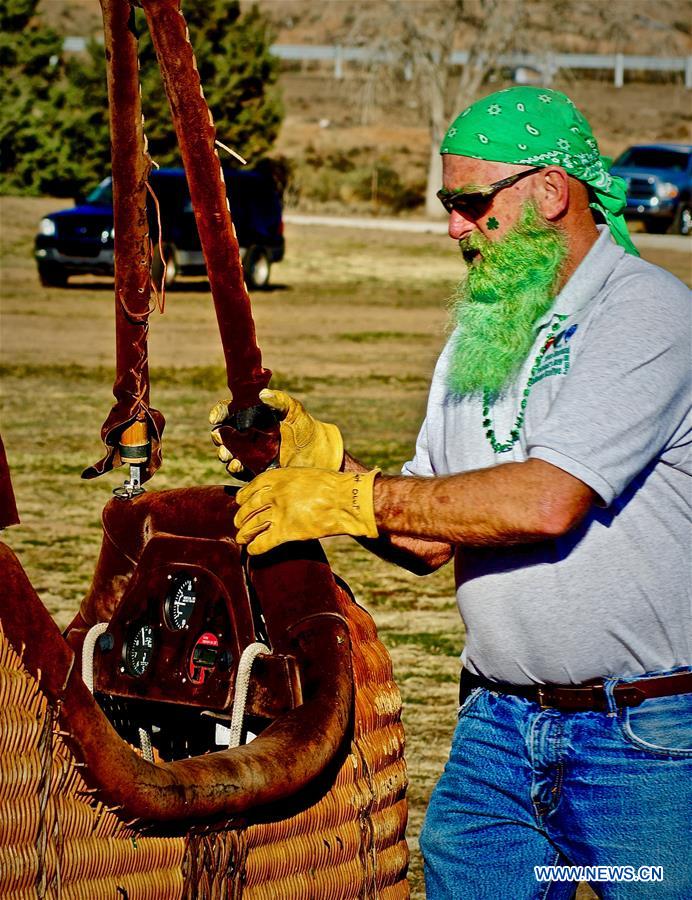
(414, 39)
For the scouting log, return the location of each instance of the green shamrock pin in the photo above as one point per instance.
(492, 223)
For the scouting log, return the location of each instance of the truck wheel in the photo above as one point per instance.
(683, 219)
(169, 253)
(257, 267)
(52, 276)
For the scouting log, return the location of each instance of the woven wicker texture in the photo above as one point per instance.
(350, 843)
(58, 841)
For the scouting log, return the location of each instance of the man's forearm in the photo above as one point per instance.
(412, 553)
(505, 504)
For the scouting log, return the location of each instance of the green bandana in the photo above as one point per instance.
(538, 127)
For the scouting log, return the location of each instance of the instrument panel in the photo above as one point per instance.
(180, 629)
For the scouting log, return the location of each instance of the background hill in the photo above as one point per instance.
(570, 25)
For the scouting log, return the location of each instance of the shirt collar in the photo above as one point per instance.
(587, 279)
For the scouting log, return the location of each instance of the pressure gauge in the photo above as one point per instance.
(180, 601)
(139, 650)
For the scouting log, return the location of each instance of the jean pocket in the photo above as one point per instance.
(660, 725)
(469, 702)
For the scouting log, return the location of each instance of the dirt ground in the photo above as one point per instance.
(352, 324)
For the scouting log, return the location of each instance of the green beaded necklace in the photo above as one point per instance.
(498, 446)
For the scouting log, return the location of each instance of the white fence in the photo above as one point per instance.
(547, 64)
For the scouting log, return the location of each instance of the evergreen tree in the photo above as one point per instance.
(29, 57)
(54, 129)
(79, 145)
(238, 76)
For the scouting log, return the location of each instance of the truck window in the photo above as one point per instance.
(653, 158)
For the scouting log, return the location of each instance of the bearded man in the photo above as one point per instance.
(553, 465)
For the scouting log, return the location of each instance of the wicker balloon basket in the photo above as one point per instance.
(58, 841)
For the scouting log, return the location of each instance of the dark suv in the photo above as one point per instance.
(659, 185)
(80, 240)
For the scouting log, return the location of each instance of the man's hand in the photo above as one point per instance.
(299, 504)
(305, 441)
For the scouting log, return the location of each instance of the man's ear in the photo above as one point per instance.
(552, 193)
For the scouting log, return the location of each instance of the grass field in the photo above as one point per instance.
(352, 325)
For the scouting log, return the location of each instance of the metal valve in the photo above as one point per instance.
(134, 447)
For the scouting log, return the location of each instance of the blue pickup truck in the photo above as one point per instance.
(659, 186)
(80, 240)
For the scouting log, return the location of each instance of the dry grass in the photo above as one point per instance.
(353, 325)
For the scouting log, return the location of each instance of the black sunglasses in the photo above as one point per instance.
(475, 203)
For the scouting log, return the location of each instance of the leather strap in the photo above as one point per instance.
(583, 697)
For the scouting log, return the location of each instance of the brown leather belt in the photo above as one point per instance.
(582, 697)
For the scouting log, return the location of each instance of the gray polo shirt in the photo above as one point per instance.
(610, 404)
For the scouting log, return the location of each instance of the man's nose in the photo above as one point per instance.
(460, 226)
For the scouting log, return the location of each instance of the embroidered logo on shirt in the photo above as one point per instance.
(557, 358)
(565, 335)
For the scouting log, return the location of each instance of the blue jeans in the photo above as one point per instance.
(526, 787)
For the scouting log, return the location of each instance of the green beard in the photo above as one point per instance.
(503, 296)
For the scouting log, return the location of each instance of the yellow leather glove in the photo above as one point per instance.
(305, 441)
(299, 504)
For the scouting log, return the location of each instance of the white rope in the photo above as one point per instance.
(88, 647)
(92, 635)
(242, 682)
(232, 152)
(145, 745)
